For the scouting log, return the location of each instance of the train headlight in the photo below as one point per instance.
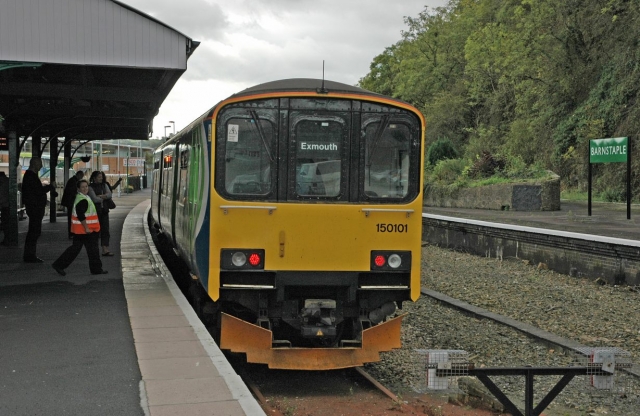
(390, 260)
(395, 261)
(239, 259)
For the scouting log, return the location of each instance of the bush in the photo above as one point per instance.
(516, 168)
(441, 149)
(614, 195)
(486, 165)
(448, 170)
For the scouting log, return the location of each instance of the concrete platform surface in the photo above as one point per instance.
(123, 343)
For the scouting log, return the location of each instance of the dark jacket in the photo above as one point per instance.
(34, 193)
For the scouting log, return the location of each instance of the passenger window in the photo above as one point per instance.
(387, 150)
(319, 157)
(249, 155)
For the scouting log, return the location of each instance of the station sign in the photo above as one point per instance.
(609, 150)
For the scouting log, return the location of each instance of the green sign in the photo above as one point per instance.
(609, 150)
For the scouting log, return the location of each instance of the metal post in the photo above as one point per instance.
(118, 156)
(67, 161)
(53, 162)
(629, 178)
(589, 190)
(11, 230)
(139, 155)
(36, 145)
(128, 157)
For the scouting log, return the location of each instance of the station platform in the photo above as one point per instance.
(607, 219)
(123, 343)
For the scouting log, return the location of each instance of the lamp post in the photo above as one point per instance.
(174, 126)
(165, 132)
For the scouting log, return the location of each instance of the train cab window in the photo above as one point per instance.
(318, 157)
(249, 155)
(387, 158)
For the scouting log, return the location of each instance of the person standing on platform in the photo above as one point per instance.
(85, 228)
(4, 201)
(100, 194)
(69, 197)
(34, 197)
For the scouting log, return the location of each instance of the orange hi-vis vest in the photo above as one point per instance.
(91, 217)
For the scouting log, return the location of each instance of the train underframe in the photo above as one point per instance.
(311, 320)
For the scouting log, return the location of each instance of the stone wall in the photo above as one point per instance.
(591, 257)
(535, 196)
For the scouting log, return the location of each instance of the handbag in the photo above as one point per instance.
(109, 203)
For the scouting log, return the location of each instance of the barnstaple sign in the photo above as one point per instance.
(608, 150)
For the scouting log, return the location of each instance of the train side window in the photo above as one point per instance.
(318, 156)
(249, 155)
(387, 158)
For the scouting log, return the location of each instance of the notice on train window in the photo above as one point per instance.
(232, 132)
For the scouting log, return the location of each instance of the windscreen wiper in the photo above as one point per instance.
(381, 128)
(254, 115)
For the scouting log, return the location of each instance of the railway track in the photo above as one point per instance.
(287, 401)
(314, 393)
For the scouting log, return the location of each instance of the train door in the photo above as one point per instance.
(157, 184)
(166, 201)
(181, 193)
(196, 187)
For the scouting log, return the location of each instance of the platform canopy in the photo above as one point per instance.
(85, 69)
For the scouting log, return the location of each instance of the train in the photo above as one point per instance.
(296, 206)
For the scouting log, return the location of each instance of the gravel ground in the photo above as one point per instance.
(578, 309)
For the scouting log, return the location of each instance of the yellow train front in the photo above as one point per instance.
(314, 222)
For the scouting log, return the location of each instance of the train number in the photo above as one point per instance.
(392, 228)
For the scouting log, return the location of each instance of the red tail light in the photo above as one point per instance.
(254, 259)
(379, 260)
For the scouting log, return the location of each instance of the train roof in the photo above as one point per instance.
(291, 85)
(303, 85)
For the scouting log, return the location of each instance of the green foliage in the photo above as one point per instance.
(486, 165)
(448, 170)
(614, 195)
(533, 81)
(441, 149)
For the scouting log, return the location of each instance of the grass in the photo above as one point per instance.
(574, 195)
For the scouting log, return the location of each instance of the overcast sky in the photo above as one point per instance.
(248, 42)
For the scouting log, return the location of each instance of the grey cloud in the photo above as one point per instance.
(197, 19)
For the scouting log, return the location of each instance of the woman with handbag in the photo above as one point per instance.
(100, 194)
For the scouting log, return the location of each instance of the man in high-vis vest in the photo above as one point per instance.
(85, 228)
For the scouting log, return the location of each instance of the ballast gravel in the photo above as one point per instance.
(583, 310)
